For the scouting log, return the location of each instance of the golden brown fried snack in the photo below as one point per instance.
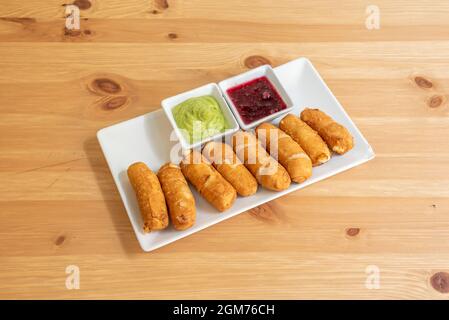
(336, 136)
(287, 151)
(179, 198)
(307, 138)
(231, 168)
(208, 181)
(149, 197)
(268, 172)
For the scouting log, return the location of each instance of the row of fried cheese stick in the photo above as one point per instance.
(221, 171)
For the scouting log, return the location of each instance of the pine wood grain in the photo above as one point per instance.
(59, 205)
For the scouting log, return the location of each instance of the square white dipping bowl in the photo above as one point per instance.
(210, 89)
(258, 72)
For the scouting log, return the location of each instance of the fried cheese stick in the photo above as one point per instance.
(231, 168)
(150, 197)
(283, 148)
(268, 172)
(307, 138)
(179, 198)
(336, 136)
(208, 181)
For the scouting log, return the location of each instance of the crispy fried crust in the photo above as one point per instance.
(231, 168)
(179, 198)
(307, 138)
(336, 136)
(283, 148)
(149, 197)
(268, 172)
(208, 181)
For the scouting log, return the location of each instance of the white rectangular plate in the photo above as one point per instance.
(147, 139)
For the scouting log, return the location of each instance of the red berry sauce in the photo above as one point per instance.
(256, 99)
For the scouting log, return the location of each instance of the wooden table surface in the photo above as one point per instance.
(60, 207)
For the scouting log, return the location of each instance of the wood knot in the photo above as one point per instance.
(112, 95)
(154, 11)
(435, 101)
(423, 82)
(115, 103)
(72, 33)
(440, 282)
(60, 240)
(172, 36)
(105, 85)
(161, 4)
(87, 32)
(82, 4)
(265, 213)
(352, 232)
(256, 61)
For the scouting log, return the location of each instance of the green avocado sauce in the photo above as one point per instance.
(199, 118)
